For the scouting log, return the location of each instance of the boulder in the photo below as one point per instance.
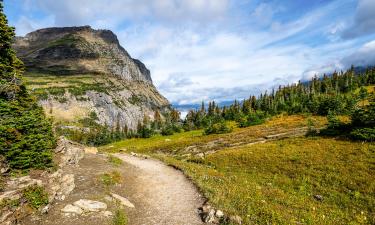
(22, 182)
(123, 201)
(90, 206)
(208, 214)
(67, 184)
(4, 168)
(107, 214)
(236, 220)
(72, 209)
(219, 214)
(71, 152)
(318, 197)
(11, 195)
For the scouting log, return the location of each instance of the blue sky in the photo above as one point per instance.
(220, 49)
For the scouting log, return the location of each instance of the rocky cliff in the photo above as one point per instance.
(79, 72)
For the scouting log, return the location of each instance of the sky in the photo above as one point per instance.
(220, 49)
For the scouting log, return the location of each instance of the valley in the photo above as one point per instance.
(88, 138)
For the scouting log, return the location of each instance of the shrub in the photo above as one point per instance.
(333, 121)
(165, 131)
(170, 129)
(217, 128)
(252, 119)
(145, 132)
(364, 134)
(36, 196)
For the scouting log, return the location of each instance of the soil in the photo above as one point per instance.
(161, 194)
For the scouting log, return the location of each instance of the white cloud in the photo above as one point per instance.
(25, 25)
(196, 50)
(364, 56)
(364, 20)
(109, 13)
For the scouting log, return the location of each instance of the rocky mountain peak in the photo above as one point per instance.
(79, 50)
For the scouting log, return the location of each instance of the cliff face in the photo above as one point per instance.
(79, 50)
(78, 71)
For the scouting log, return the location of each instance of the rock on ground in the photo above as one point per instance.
(123, 201)
(90, 206)
(72, 209)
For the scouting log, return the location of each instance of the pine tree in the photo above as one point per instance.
(26, 137)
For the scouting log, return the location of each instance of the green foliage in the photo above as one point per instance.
(217, 128)
(36, 196)
(363, 134)
(145, 132)
(170, 129)
(26, 137)
(365, 116)
(252, 119)
(335, 93)
(95, 135)
(270, 181)
(333, 121)
(119, 218)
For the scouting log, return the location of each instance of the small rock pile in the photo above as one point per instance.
(215, 216)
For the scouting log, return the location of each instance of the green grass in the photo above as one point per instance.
(119, 218)
(114, 160)
(112, 178)
(178, 142)
(36, 196)
(275, 182)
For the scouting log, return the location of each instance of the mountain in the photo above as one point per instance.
(78, 73)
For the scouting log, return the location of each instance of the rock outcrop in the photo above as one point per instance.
(78, 71)
(58, 184)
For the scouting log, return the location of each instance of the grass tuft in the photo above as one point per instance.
(36, 196)
(112, 178)
(119, 218)
(114, 160)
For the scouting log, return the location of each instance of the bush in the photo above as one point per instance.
(364, 134)
(170, 129)
(333, 121)
(145, 132)
(252, 119)
(35, 196)
(217, 128)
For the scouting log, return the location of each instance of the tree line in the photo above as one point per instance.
(335, 94)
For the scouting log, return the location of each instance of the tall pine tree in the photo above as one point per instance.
(26, 137)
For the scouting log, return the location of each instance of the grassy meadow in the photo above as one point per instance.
(277, 182)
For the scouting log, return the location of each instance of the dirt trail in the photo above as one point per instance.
(161, 194)
(166, 196)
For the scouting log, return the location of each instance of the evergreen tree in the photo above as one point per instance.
(26, 137)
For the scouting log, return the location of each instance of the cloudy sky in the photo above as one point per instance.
(220, 49)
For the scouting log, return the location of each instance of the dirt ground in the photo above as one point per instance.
(161, 194)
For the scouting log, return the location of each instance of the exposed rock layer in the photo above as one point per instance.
(94, 72)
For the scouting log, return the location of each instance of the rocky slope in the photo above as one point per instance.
(79, 72)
